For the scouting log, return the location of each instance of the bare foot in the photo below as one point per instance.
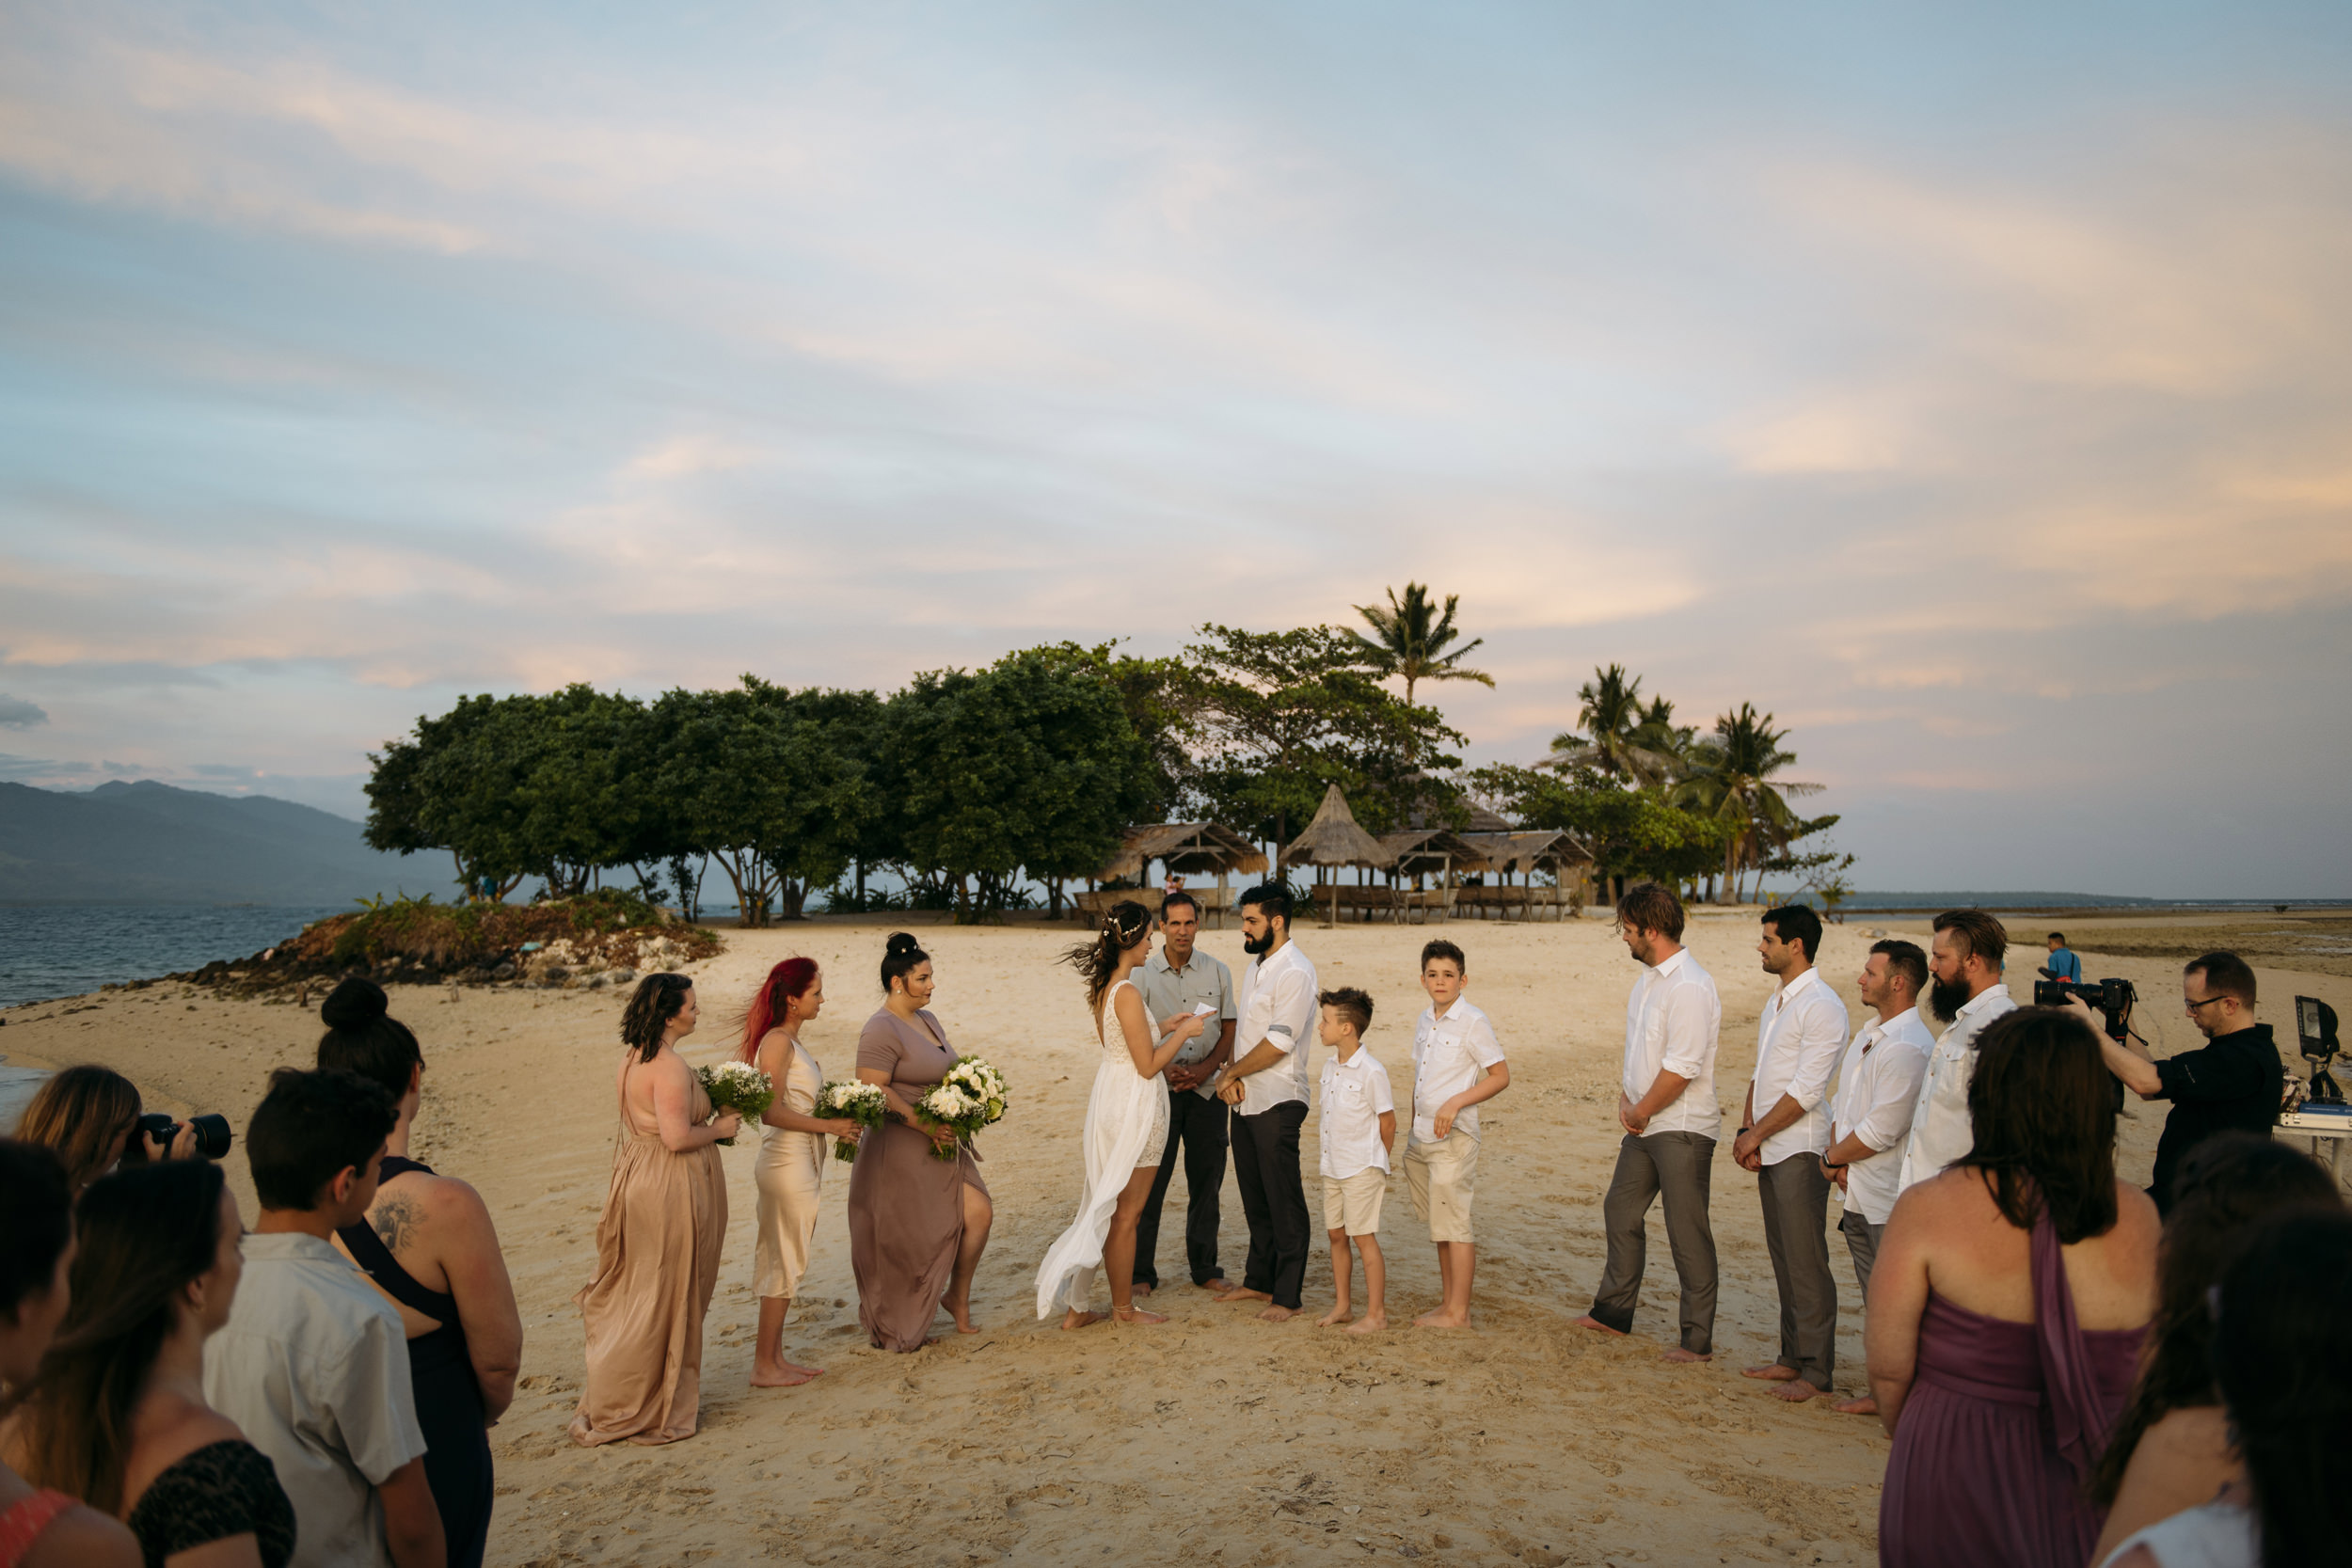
(961, 1313)
(1679, 1355)
(1865, 1406)
(1137, 1315)
(1438, 1317)
(783, 1375)
(1076, 1319)
(1140, 1288)
(1276, 1315)
(1371, 1323)
(1796, 1390)
(1776, 1373)
(1590, 1322)
(1337, 1314)
(1244, 1293)
(1220, 1284)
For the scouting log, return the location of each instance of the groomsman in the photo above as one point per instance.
(1799, 1039)
(1966, 993)
(1175, 981)
(1666, 1105)
(1266, 1087)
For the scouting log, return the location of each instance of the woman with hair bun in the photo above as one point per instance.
(665, 1218)
(790, 1170)
(1126, 1126)
(917, 1222)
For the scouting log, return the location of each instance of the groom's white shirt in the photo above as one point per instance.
(1278, 1004)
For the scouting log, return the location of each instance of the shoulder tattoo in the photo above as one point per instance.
(396, 1221)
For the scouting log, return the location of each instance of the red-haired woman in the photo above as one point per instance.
(790, 1170)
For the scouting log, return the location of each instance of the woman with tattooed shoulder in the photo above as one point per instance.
(429, 1246)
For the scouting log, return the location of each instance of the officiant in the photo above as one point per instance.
(1177, 980)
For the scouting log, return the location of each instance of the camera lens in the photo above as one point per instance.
(211, 1135)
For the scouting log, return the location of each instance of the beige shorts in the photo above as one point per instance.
(1352, 1203)
(1442, 1176)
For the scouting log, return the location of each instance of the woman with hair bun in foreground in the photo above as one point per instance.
(917, 1222)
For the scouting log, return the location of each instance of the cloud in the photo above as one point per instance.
(18, 714)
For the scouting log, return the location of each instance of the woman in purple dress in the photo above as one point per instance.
(2007, 1309)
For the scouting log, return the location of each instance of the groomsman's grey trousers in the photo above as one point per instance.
(1795, 1194)
(1677, 1166)
(1861, 1246)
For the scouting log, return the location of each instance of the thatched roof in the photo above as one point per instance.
(1433, 849)
(1333, 838)
(1190, 849)
(1527, 850)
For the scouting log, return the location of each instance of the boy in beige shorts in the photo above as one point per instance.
(1458, 1064)
(1357, 1127)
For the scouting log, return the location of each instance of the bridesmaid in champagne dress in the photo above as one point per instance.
(665, 1218)
(917, 1224)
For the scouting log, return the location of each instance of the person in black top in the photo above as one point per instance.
(2234, 1081)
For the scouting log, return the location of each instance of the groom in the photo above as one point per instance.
(1266, 1087)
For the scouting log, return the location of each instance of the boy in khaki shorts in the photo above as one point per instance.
(1357, 1127)
(1458, 1062)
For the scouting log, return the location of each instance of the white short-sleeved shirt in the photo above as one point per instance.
(1672, 1023)
(1798, 1037)
(1354, 1097)
(1278, 1004)
(312, 1366)
(1877, 1087)
(1940, 1131)
(1452, 1052)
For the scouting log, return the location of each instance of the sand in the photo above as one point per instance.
(1214, 1438)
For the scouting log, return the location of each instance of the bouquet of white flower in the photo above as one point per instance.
(737, 1086)
(971, 1097)
(860, 1102)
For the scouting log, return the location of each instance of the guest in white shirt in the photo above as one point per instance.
(1966, 993)
(313, 1362)
(1457, 1066)
(1357, 1128)
(1266, 1087)
(1799, 1039)
(1877, 1085)
(1666, 1105)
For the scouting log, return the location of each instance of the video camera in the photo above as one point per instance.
(2315, 1027)
(2111, 999)
(212, 1132)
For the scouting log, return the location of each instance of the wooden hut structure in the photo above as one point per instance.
(1184, 849)
(1438, 852)
(1527, 852)
(1334, 839)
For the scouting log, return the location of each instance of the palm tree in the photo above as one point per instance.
(1621, 746)
(1732, 781)
(1412, 638)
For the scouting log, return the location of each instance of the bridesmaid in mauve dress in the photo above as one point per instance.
(665, 1218)
(2007, 1310)
(917, 1224)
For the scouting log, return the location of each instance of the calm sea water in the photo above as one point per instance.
(65, 949)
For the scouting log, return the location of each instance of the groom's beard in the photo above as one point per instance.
(1256, 946)
(1946, 997)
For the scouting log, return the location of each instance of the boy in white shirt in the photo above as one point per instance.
(1357, 1128)
(1458, 1064)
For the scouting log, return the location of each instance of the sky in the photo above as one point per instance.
(1969, 387)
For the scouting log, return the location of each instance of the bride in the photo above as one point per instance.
(1126, 1126)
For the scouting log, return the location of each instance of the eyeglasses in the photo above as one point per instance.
(2207, 1001)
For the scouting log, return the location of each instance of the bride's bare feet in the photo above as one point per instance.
(1244, 1293)
(1137, 1315)
(1337, 1314)
(1076, 1319)
(781, 1375)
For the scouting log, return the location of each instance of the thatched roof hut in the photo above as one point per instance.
(1189, 850)
(1534, 849)
(1432, 851)
(1333, 838)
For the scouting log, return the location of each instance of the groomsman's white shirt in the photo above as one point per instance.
(1940, 1131)
(1278, 1004)
(1798, 1040)
(1451, 1050)
(1672, 1022)
(1356, 1095)
(1877, 1087)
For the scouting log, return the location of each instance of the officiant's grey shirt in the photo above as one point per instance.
(1170, 991)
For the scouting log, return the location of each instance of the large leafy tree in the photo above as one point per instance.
(457, 785)
(582, 804)
(1631, 834)
(1735, 779)
(1618, 740)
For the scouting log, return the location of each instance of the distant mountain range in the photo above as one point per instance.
(148, 843)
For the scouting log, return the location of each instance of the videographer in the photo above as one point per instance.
(89, 1116)
(2234, 1081)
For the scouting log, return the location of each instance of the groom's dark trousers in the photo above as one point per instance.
(1198, 1124)
(1265, 1167)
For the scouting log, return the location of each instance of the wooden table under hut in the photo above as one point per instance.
(1526, 853)
(1437, 855)
(1185, 849)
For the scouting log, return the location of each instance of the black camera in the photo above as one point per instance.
(212, 1132)
(2110, 999)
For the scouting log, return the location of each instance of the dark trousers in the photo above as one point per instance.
(1265, 1167)
(1679, 1165)
(1795, 1194)
(1200, 1125)
(1861, 1246)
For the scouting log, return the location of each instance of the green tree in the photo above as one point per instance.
(1410, 638)
(1613, 742)
(581, 802)
(1629, 833)
(457, 785)
(1734, 779)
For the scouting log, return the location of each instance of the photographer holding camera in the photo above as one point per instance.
(91, 1118)
(2234, 1082)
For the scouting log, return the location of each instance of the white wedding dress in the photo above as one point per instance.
(1126, 1129)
